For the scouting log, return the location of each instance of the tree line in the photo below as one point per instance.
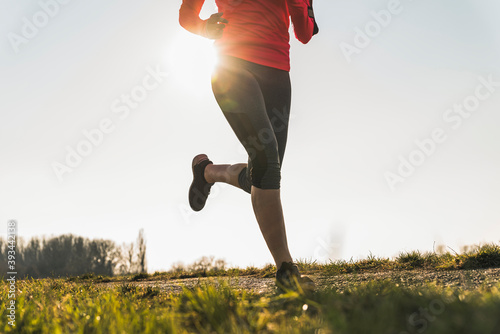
(70, 255)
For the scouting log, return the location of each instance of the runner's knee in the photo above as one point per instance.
(266, 176)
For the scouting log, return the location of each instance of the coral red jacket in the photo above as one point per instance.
(257, 30)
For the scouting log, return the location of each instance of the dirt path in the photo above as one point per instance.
(465, 279)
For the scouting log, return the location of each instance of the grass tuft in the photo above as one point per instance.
(486, 256)
(140, 276)
(414, 259)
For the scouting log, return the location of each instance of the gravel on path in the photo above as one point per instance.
(464, 279)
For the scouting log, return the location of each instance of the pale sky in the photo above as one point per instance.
(353, 120)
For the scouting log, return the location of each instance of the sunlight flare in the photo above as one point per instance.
(192, 60)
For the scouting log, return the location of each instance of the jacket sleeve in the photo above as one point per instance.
(189, 17)
(303, 25)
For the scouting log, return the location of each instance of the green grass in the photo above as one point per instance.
(83, 305)
(59, 306)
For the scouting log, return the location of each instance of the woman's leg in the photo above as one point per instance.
(267, 208)
(242, 101)
(268, 211)
(276, 91)
(224, 173)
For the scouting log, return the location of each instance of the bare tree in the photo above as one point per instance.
(141, 252)
(130, 257)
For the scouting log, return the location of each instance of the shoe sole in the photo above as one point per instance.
(194, 193)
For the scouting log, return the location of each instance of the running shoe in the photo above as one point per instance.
(200, 188)
(288, 277)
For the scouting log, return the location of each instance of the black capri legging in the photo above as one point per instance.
(255, 100)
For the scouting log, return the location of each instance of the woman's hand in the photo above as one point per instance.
(215, 26)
